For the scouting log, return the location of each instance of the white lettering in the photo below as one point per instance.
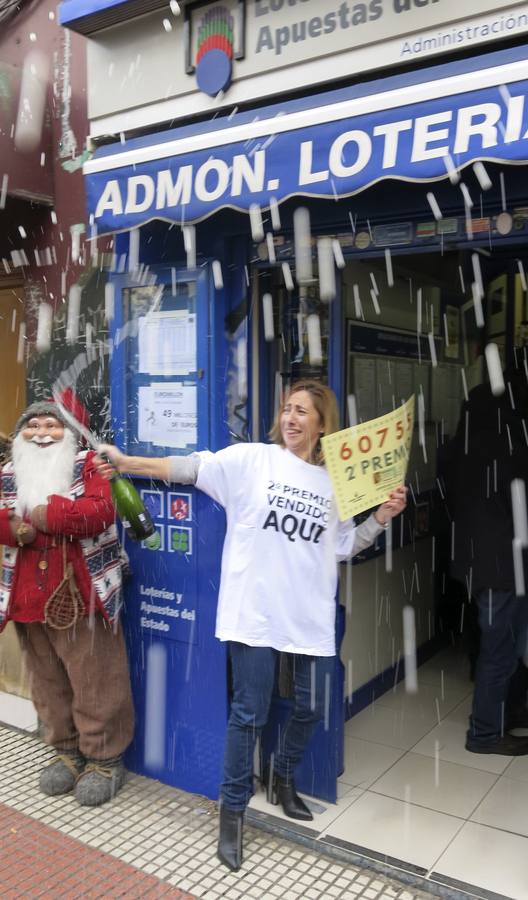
(170, 193)
(133, 204)
(489, 114)
(424, 135)
(221, 169)
(110, 200)
(514, 120)
(306, 176)
(391, 131)
(364, 145)
(243, 171)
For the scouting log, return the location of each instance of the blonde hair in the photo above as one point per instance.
(324, 401)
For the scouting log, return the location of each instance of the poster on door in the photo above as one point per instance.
(369, 460)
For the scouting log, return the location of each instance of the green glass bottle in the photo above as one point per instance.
(135, 518)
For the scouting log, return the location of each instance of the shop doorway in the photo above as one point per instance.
(281, 347)
(13, 678)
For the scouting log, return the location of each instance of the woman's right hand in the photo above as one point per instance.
(108, 460)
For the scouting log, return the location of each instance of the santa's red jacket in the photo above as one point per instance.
(86, 522)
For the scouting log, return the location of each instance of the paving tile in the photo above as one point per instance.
(154, 842)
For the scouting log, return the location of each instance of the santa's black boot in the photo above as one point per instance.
(229, 849)
(60, 775)
(100, 781)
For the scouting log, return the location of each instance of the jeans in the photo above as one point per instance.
(253, 671)
(500, 615)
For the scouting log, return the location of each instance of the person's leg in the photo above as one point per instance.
(94, 656)
(52, 696)
(312, 677)
(312, 680)
(516, 703)
(253, 672)
(496, 664)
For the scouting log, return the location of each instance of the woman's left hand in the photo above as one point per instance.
(393, 506)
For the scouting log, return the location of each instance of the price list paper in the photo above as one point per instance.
(366, 462)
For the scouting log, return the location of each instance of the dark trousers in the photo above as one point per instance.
(501, 616)
(253, 670)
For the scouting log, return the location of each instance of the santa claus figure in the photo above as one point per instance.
(61, 585)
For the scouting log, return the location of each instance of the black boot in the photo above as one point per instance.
(278, 790)
(229, 849)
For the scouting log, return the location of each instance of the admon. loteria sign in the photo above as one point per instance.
(411, 131)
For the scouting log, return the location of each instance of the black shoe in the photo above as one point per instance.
(508, 745)
(229, 849)
(278, 790)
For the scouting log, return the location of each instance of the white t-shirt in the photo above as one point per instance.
(283, 541)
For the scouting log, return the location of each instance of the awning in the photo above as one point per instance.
(412, 127)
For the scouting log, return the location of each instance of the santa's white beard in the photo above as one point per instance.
(41, 471)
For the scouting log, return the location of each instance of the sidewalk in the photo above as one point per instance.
(151, 841)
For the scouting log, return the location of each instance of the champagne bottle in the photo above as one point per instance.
(135, 518)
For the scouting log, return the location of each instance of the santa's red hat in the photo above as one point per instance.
(49, 408)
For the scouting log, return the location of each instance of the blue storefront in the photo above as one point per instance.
(411, 176)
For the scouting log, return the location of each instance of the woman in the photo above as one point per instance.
(278, 584)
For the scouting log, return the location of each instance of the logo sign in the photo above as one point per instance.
(214, 38)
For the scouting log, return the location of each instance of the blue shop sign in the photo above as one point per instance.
(331, 150)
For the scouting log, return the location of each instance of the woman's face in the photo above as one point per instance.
(300, 425)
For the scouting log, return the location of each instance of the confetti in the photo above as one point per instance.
(3, 191)
(326, 268)
(44, 324)
(218, 279)
(409, 650)
(313, 328)
(358, 309)
(494, 364)
(21, 343)
(388, 264)
(109, 301)
(352, 411)
(133, 250)
(255, 221)
(338, 254)
(267, 308)
(454, 175)
(477, 305)
(482, 176)
(435, 209)
(522, 274)
(520, 517)
(477, 273)
(74, 309)
(241, 359)
(468, 202)
(155, 705)
(432, 349)
(189, 242)
(287, 275)
(32, 102)
(275, 215)
(303, 245)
